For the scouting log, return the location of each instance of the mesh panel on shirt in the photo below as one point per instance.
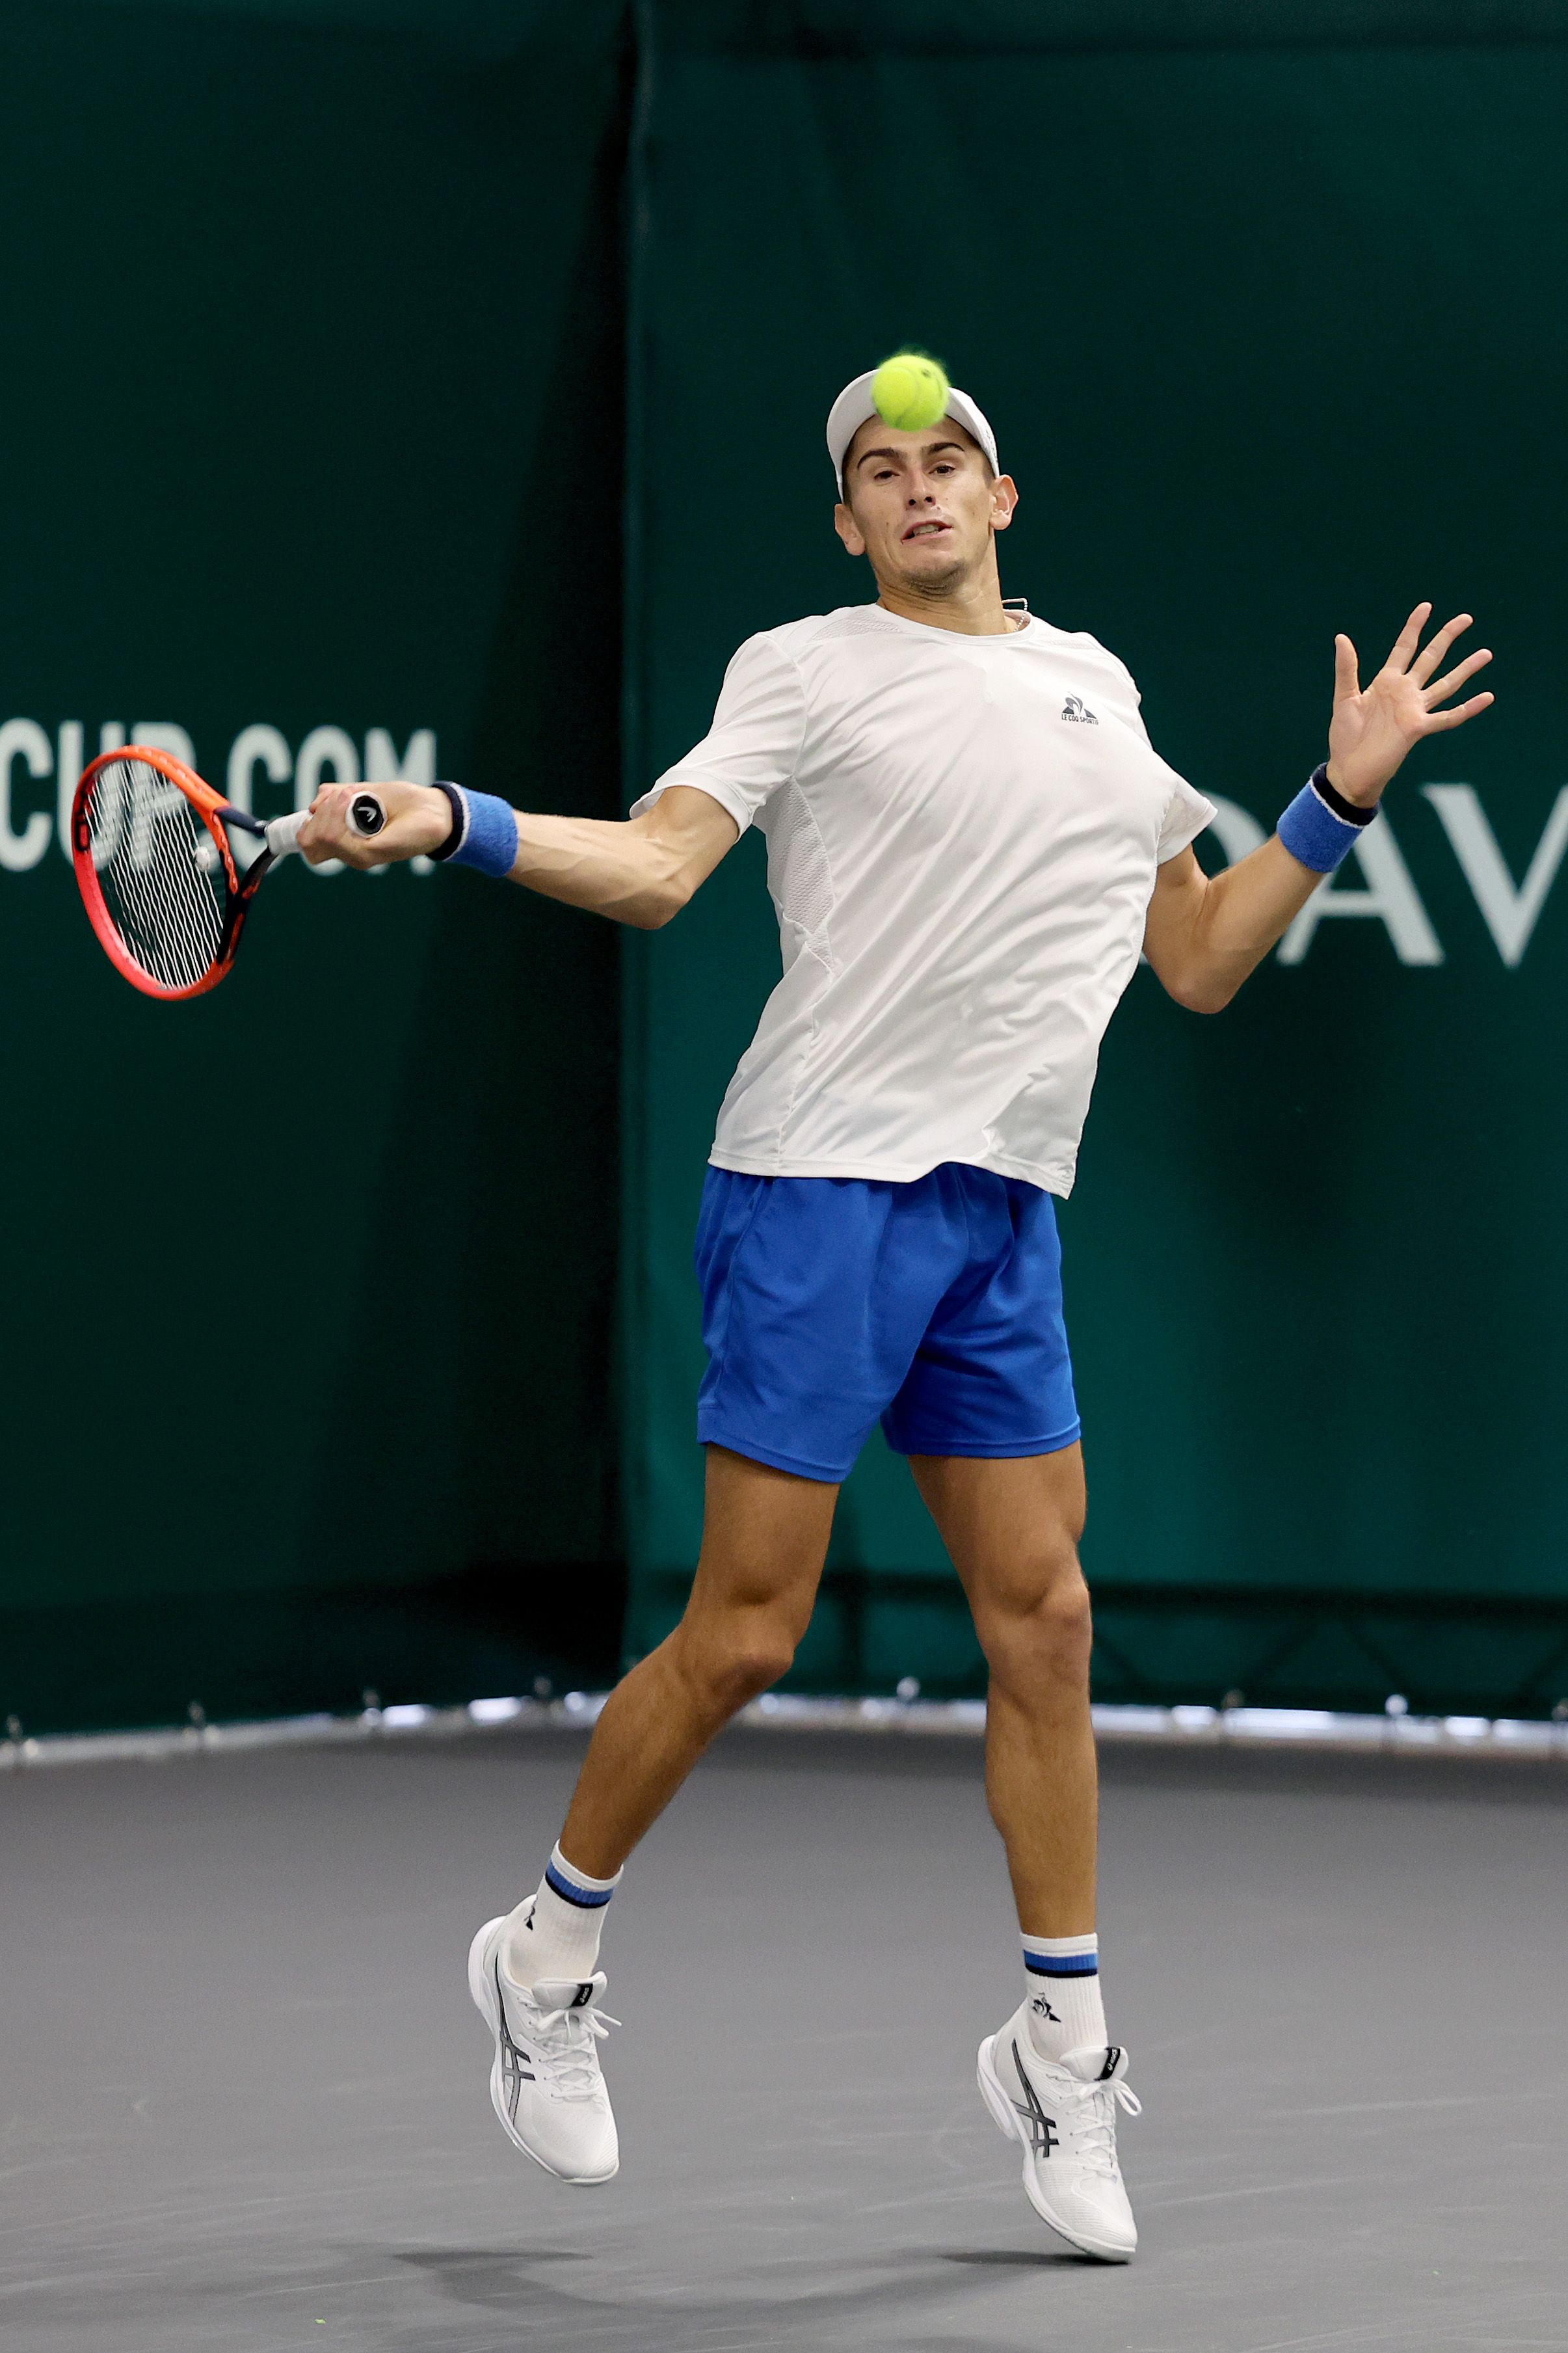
(799, 876)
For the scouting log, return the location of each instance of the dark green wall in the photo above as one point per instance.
(322, 355)
(1260, 304)
(313, 416)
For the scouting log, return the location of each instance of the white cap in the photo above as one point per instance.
(854, 405)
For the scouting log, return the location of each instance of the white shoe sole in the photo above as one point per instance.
(481, 1986)
(1006, 2124)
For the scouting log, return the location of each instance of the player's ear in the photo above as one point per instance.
(1003, 501)
(848, 530)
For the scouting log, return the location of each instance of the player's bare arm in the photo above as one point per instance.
(1205, 935)
(639, 871)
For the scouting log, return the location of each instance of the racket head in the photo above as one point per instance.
(155, 872)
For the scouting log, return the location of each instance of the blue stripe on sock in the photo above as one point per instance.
(589, 1898)
(1062, 1965)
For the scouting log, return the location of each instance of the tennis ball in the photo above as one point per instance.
(910, 391)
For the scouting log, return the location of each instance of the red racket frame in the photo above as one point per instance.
(207, 805)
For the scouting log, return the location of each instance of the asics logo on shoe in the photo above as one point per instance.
(584, 1992)
(1040, 2128)
(1042, 2009)
(515, 2071)
(1112, 2061)
(1074, 708)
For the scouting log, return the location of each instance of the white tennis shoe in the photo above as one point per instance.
(1063, 2112)
(546, 2085)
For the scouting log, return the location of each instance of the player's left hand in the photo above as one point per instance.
(1374, 726)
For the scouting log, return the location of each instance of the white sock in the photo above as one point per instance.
(555, 1932)
(1066, 2012)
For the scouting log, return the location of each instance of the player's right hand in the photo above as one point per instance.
(418, 820)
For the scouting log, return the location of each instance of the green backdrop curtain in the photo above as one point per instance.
(1261, 304)
(439, 387)
(314, 350)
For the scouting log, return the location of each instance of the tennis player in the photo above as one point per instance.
(970, 839)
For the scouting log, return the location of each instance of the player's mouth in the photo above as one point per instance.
(929, 528)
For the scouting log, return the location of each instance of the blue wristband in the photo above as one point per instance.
(488, 834)
(1316, 834)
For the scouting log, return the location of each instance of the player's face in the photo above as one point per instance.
(922, 506)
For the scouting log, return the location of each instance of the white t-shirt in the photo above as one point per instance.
(962, 836)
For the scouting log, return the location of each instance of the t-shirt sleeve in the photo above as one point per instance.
(753, 744)
(1186, 814)
(1186, 810)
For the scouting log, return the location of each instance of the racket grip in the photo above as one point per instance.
(367, 818)
(283, 833)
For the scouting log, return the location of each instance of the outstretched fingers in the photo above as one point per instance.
(1441, 688)
(1409, 636)
(1347, 677)
(1431, 655)
(1437, 721)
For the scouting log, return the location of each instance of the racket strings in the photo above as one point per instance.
(161, 879)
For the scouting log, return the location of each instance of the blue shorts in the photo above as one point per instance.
(831, 1302)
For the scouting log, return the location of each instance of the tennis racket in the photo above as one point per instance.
(157, 872)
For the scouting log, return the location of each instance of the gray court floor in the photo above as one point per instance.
(244, 2099)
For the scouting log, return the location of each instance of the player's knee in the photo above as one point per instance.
(1046, 1644)
(737, 1663)
(748, 1669)
(761, 1665)
(1069, 1626)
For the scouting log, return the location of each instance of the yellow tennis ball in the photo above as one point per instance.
(910, 391)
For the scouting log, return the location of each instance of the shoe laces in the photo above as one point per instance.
(1094, 2122)
(567, 2041)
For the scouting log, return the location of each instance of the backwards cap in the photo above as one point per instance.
(854, 405)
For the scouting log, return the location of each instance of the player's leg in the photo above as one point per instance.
(815, 1295)
(533, 1973)
(987, 1415)
(1050, 2077)
(765, 1538)
(1012, 1528)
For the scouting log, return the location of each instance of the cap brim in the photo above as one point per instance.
(855, 405)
